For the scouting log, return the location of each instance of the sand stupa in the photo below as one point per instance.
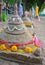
(17, 35)
(27, 20)
(16, 31)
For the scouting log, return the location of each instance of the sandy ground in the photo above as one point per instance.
(39, 29)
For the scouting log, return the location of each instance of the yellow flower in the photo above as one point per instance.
(28, 49)
(14, 48)
(2, 47)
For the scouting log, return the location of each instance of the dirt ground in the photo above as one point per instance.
(39, 29)
(40, 32)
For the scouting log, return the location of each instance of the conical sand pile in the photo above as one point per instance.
(27, 21)
(16, 32)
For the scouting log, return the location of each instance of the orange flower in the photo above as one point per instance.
(2, 47)
(14, 48)
(28, 49)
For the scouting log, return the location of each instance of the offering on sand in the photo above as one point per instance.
(16, 43)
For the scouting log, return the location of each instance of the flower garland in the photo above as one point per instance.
(15, 44)
(27, 49)
(3, 42)
(14, 47)
(35, 42)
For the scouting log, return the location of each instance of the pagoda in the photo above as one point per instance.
(16, 43)
(16, 37)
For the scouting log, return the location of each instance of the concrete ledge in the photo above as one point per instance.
(22, 59)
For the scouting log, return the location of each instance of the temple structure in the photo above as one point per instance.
(15, 37)
(16, 34)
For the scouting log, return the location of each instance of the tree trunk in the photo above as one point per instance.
(42, 1)
(20, 1)
(0, 10)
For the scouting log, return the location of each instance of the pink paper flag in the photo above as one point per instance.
(37, 42)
